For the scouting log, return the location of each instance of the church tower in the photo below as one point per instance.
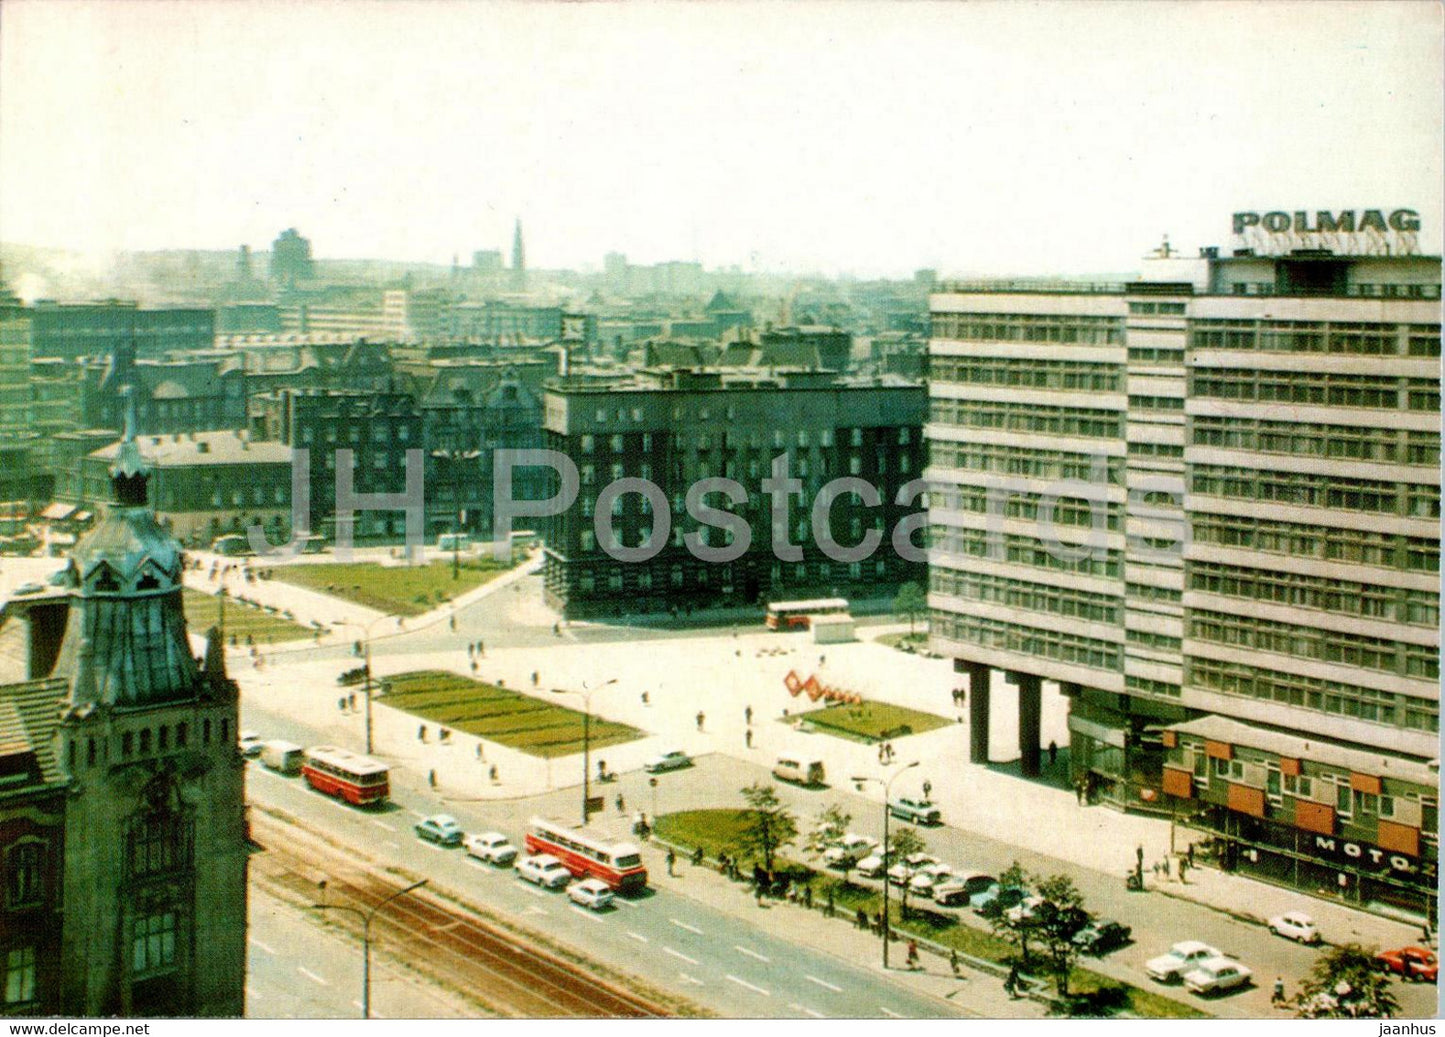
(519, 259)
(156, 858)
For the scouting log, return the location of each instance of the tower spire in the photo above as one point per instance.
(519, 258)
(129, 474)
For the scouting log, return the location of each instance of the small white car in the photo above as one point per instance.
(492, 847)
(919, 811)
(928, 878)
(249, 743)
(673, 759)
(851, 849)
(590, 893)
(871, 867)
(545, 870)
(1215, 975)
(1182, 958)
(1296, 925)
(1026, 910)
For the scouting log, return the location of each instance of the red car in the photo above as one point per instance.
(1411, 962)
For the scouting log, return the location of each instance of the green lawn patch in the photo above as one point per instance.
(397, 590)
(533, 725)
(872, 721)
(914, 642)
(242, 620)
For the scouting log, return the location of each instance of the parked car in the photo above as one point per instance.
(249, 743)
(1296, 925)
(1102, 936)
(492, 847)
(849, 850)
(919, 811)
(996, 899)
(1026, 910)
(1182, 957)
(545, 870)
(927, 878)
(873, 865)
(442, 829)
(960, 889)
(799, 772)
(673, 759)
(1216, 975)
(590, 893)
(1415, 963)
(285, 757)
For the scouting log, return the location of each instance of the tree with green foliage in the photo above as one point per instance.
(1346, 983)
(1017, 935)
(910, 602)
(829, 827)
(1058, 920)
(767, 824)
(904, 843)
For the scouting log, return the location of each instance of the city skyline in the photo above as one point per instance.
(807, 139)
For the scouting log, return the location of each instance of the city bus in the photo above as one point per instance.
(359, 780)
(588, 856)
(796, 615)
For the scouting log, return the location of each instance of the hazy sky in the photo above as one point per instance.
(978, 137)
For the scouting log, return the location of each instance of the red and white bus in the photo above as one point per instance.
(585, 855)
(797, 615)
(358, 779)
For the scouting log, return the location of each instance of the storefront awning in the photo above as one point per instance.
(1098, 732)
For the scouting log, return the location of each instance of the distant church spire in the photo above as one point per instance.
(130, 473)
(519, 258)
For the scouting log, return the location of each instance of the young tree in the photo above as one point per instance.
(1059, 918)
(910, 602)
(768, 825)
(829, 826)
(904, 843)
(1345, 984)
(1018, 935)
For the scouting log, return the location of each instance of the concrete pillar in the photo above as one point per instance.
(977, 708)
(1030, 710)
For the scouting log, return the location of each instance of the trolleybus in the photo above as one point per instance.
(589, 856)
(797, 615)
(358, 779)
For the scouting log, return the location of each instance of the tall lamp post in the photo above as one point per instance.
(453, 456)
(586, 694)
(366, 665)
(366, 917)
(887, 785)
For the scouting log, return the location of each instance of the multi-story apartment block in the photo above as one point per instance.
(1210, 492)
(69, 331)
(673, 428)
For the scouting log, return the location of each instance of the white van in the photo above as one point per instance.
(799, 772)
(285, 757)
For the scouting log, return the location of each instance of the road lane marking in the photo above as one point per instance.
(535, 892)
(745, 983)
(679, 954)
(684, 925)
(586, 914)
(824, 983)
(804, 1008)
(382, 824)
(888, 1011)
(338, 804)
(752, 954)
(313, 977)
(417, 814)
(688, 979)
(260, 946)
(621, 902)
(637, 936)
(432, 846)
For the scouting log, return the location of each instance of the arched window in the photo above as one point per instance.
(24, 873)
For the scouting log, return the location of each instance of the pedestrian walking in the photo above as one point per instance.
(829, 906)
(421, 733)
(1191, 855)
(697, 856)
(913, 954)
(671, 859)
(953, 961)
(493, 774)
(431, 778)
(1139, 853)
(1183, 868)
(482, 649)
(748, 714)
(1277, 998)
(620, 803)
(1011, 983)
(880, 752)
(748, 738)
(1053, 753)
(700, 719)
(479, 751)
(535, 678)
(474, 667)
(645, 699)
(860, 920)
(808, 897)
(471, 650)
(453, 622)
(341, 704)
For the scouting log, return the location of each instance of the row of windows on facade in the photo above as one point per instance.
(1330, 646)
(1063, 375)
(849, 532)
(701, 577)
(1317, 491)
(1026, 506)
(1026, 461)
(1353, 442)
(1371, 392)
(143, 741)
(381, 432)
(681, 414)
(1028, 417)
(1021, 640)
(804, 438)
(755, 467)
(1025, 550)
(1356, 546)
(1334, 789)
(1008, 327)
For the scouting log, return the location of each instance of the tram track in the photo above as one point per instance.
(441, 939)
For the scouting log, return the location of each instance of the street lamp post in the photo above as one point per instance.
(366, 666)
(586, 694)
(453, 456)
(887, 785)
(366, 917)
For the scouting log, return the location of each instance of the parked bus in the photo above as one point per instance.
(358, 779)
(797, 615)
(585, 855)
